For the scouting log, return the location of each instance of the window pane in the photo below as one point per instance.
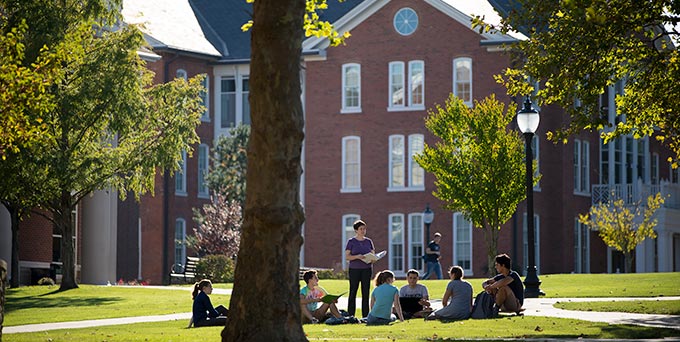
(228, 103)
(245, 103)
(417, 174)
(352, 86)
(397, 84)
(463, 76)
(397, 247)
(397, 158)
(416, 70)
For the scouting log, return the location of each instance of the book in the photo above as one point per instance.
(329, 298)
(371, 258)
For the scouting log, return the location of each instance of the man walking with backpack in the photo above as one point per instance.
(506, 287)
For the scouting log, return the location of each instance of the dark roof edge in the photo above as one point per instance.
(182, 52)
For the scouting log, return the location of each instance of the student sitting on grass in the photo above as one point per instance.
(414, 290)
(310, 296)
(384, 297)
(459, 291)
(506, 287)
(203, 312)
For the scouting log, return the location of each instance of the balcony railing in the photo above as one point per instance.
(632, 193)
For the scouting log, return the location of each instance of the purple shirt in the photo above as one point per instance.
(356, 247)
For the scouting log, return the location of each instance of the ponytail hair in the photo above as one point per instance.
(199, 287)
(382, 277)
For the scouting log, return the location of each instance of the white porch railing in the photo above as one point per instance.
(632, 193)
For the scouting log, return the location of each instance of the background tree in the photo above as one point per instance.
(581, 47)
(478, 164)
(109, 127)
(227, 177)
(219, 228)
(622, 226)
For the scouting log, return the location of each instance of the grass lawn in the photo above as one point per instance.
(663, 307)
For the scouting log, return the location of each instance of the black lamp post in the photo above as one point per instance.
(428, 217)
(527, 121)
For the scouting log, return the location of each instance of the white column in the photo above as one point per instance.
(6, 239)
(99, 234)
(664, 241)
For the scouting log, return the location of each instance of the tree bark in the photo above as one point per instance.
(62, 218)
(265, 304)
(3, 277)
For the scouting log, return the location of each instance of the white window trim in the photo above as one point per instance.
(525, 243)
(392, 266)
(343, 242)
(391, 106)
(455, 79)
(206, 167)
(417, 106)
(206, 115)
(412, 163)
(181, 73)
(654, 168)
(581, 148)
(344, 188)
(183, 171)
(468, 272)
(238, 101)
(184, 240)
(411, 243)
(345, 109)
(578, 228)
(390, 186)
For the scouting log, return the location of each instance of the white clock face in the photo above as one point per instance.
(405, 21)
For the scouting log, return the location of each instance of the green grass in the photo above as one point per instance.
(663, 307)
(413, 330)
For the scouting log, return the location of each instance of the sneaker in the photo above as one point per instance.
(314, 320)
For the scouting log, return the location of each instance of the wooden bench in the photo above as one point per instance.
(186, 272)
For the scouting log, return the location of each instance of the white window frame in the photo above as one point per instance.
(467, 102)
(181, 177)
(413, 166)
(203, 168)
(402, 85)
(416, 242)
(347, 232)
(655, 169)
(394, 160)
(456, 250)
(181, 227)
(245, 102)
(581, 167)
(537, 244)
(396, 263)
(346, 109)
(411, 85)
(205, 98)
(222, 93)
(345, 187)
(581, 231)
(181, 73)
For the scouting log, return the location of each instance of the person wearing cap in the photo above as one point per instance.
(432, 256)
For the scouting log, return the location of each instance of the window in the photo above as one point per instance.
(180, 176)
(234, 104)
(581, 247)
(416, 82)
(397, 96)
(181, 73)
(351, 164)
(204, 98)
(396, 236)
(415, 241)
(405, 21)
(397, 100)
(462, 242)
(351, 88)
(655, 168)
(674, 174)
(462, 79)
(397, 161)
(581, 166)
(202, 171)
(180, 241)
(525, 244)
(347, 232)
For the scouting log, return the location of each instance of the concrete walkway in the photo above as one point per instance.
(533, 307)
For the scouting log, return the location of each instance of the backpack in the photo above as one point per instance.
(484, 307)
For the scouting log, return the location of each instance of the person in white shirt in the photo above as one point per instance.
(415, 290)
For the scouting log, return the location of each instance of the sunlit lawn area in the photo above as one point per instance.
(661, 307)
(27, 305)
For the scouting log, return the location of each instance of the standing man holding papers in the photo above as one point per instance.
(360, 270)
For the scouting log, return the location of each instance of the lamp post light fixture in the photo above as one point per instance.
(527, 121)
(428, 217)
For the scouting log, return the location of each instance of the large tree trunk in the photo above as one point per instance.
(3, 277)
(265, 304)
(62, 218)
(491, 237)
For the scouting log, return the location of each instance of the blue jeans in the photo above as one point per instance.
(372, 320)
(433, 266)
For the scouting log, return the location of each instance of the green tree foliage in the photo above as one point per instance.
(109, 127)
(478, 164)
(622, 226)
(230, 163)
(580, 47)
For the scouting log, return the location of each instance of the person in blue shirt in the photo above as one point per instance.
(203, 312)
(385, 296)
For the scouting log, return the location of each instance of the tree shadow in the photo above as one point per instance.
(40, 302)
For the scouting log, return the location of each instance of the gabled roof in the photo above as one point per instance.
(168, 25)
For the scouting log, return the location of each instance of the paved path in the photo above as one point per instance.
(533, 306)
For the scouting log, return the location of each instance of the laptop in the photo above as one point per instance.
(410, 304)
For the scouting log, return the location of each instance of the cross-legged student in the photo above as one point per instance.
(415, 290)
(310, 297)
(506, 287)
(459, 292)
(385, 296)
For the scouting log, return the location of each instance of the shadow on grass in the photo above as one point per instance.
(618, 332)
(40, 302)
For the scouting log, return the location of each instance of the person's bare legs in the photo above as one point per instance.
(334, 310)
(506, 300)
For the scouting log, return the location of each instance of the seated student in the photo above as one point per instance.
(203, 312)
(310, 296)
(459, 291)
(506, 287)
(385, 296)
(414, 290)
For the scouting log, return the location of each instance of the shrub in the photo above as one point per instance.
(331, 274)
(46, 281)
(217, 268)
